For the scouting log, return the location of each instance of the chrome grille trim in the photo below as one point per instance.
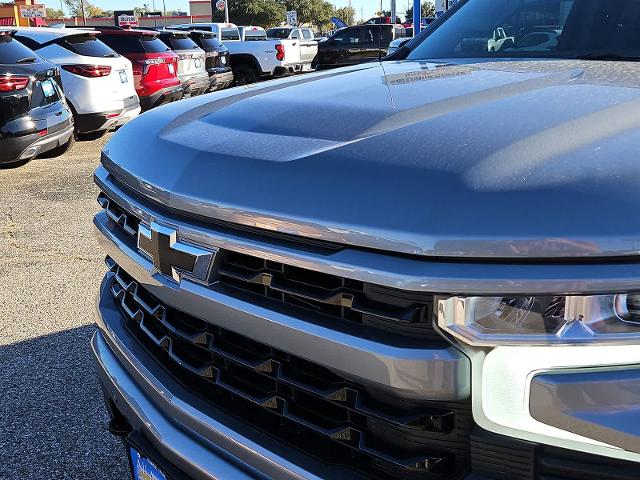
(401, 272)
(419, 373)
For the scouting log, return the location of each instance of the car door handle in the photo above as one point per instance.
(355, 50)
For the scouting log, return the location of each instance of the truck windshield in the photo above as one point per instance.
(589, 29)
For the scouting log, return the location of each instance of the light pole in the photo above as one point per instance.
(417, 17)
(155, 20)
(164, 12)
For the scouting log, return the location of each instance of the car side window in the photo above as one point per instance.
(295, 34)
(386, 35)
(370, 35)
(306, 33)
(348, 36)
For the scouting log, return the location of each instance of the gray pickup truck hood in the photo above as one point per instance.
(496, 160)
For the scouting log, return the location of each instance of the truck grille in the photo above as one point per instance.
(372, 307)
(398, 315)
(300, 403)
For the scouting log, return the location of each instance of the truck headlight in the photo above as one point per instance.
(542, 320)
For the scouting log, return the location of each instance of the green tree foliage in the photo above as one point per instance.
(313, 12)
(265, 13)
(54, 13)
(346, 14)
(428, 10)
(90, 10)
(269, 13)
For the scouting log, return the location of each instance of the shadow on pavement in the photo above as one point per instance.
(52, 414)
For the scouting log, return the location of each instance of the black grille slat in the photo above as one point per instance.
(304, 395)
(339, 393)
(330, 295)
(127, 222)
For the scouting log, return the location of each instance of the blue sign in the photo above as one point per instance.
(337, 22)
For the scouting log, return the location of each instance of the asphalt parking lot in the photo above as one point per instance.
(51, 413)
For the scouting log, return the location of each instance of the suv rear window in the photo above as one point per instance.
(87, 45)
(182, 43)
(11, 51)
(209, 43)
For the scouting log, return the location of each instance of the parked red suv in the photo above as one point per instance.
(155, 66)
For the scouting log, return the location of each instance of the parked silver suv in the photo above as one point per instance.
(442, 284)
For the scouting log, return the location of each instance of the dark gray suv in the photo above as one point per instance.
(421, 268)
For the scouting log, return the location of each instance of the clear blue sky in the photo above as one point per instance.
(367, 7)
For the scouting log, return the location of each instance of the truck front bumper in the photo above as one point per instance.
(183, 436)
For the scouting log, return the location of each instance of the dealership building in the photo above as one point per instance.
(26, 13)
(23, 13)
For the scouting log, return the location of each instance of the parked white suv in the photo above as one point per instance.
(97, 82)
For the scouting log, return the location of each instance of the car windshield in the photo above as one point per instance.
(590, 29)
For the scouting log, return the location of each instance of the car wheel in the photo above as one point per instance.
(60, 149)
(245, 74)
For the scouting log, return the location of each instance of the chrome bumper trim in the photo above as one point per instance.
(184, 433)
(434, 374)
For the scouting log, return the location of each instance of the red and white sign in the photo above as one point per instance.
(220, 4)
(33, 11)
(128, 21)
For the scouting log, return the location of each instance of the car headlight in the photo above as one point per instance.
(542, 320)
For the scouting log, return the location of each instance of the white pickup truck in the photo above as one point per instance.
(256, 59)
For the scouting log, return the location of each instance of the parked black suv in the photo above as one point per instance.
(217, 58)
(34, 117)
(357, 44)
